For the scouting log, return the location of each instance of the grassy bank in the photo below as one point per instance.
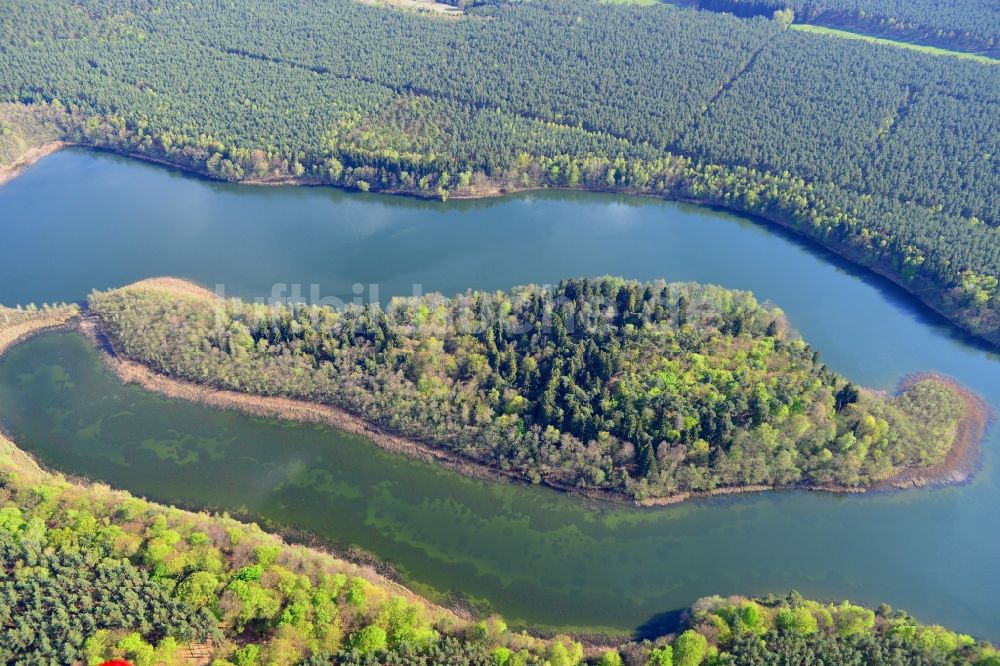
(17, 324)
(921, 48)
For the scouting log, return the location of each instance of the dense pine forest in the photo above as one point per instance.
(888, 156)
(646, 390)
(960, 24)
(87, 574)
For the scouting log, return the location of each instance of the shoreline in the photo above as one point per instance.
(17, 333)
(365, 565)
(926, 295)
(360, 562)
(958, 467)
(356, 561)
(9, 172)
(451, 606)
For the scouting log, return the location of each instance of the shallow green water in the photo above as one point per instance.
(80, 220)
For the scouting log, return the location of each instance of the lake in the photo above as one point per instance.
(81, 220)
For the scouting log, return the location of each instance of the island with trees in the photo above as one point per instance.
(647, 392)
(889, 157)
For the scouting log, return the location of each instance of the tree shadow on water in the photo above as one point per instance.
(660, 625)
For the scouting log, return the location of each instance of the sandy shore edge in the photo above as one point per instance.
(10, 171)
(16, 333)
(285, 409)
(962, 461)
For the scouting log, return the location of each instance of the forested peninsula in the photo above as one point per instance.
(88, 573)
(888, 157)
(643, 391)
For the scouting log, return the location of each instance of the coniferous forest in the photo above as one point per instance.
(890, 157)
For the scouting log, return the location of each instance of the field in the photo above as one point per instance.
(931, 50)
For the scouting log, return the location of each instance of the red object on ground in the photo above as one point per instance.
(116, 662)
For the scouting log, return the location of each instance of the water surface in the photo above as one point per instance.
(82, 220)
